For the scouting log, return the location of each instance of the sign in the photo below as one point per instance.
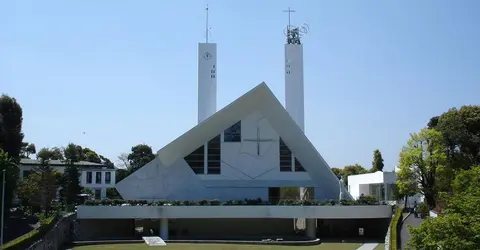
(360, 231)
(154, 241)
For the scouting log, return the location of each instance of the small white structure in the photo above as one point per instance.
(96, 176)
(380, 184)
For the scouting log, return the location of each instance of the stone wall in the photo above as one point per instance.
(57, 237)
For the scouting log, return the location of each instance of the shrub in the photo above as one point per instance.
(24, 241)
(423, 210)
(248, 202)
(394, 228)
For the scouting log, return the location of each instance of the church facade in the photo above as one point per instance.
(248, 150)
(254, 148)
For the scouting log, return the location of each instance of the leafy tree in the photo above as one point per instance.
(71, 177)
(27, 150)
(124, 162)
(47, 182)
(141, 154)
(422, 161)
(461, 132)
(8, 164)
(11, 138)
(337, 171)
(377, 164)
(352, 170)
(28, 192)
(57, 154)
(458, 226)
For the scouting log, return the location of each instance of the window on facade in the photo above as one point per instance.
(233, 133)
(214, 156)
(196, 160)
(285, 157)
(89, 177)
(214, 66)
(98, 177)
(298, 166)
(108, 177)
(212, 71)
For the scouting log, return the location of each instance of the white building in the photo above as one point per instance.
(379, 184)
(92, 175)
(252, 148)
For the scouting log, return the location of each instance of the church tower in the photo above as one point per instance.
(207, 77)
(294, 91)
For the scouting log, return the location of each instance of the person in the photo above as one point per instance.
(415, 209)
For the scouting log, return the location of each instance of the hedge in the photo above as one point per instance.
(26, 240)
(395, 229)
(247, 202)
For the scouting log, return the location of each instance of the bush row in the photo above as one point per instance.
(247, 202)
(395, 229)
(25, 241)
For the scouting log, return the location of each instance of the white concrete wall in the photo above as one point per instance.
(355, 182)
(179, 212)
(294, 88)
(241, 162)
(207, 80)
(243, 173)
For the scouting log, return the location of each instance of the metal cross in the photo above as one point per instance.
(258, 140)
(289, 11)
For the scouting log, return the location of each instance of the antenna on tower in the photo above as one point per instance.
(292, 32)
(206, 25)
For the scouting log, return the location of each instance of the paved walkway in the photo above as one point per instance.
(368, 246)
(404, 233)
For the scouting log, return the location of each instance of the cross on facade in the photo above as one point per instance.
(258, 140)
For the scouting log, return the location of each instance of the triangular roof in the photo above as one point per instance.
(261, 99)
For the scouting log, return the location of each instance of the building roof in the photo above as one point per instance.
(60, 163)
(260, 99)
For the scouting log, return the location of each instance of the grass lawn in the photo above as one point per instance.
(178, 246)
(381, 246)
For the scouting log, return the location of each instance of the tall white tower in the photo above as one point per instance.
(294, 91)
(207, 77)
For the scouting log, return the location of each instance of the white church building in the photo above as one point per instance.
(250, 149)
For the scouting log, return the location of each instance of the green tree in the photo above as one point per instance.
(458, 226)
(422, 160)
(27, 150)
(141, 154)
(71, 177)
(377, 164)
(47, 182)
(11, 138)
(337, 171)
(461, 132)
(352, 170)
(28, 192)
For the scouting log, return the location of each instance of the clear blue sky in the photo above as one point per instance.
(124, 72)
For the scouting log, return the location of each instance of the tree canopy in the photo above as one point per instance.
(458, 225)
(377, 164)
(421, 161)
(461, 132)
(11, 141)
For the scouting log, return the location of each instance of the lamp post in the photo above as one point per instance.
(3, 209)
